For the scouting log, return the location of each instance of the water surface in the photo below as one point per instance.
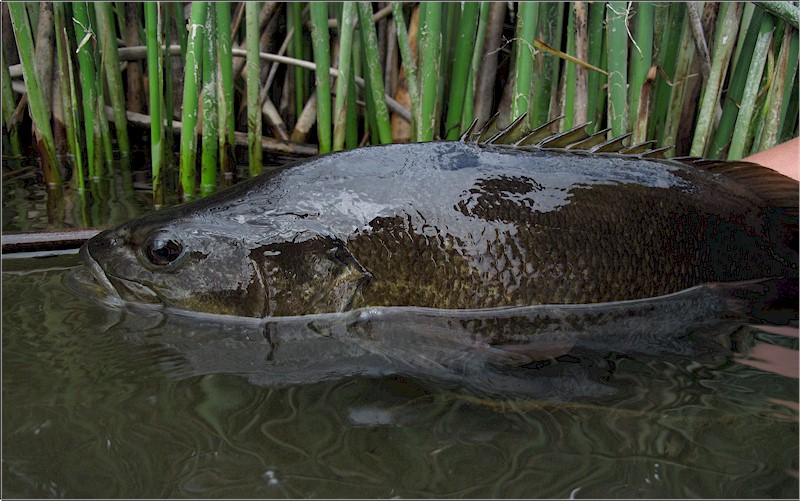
(101, 402)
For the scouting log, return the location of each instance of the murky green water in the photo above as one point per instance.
(99, 402)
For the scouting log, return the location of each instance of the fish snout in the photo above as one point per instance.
(96, 271)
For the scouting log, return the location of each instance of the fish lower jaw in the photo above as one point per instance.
(99, 278)
(134, 292)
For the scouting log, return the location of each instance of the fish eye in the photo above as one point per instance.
(161, 249)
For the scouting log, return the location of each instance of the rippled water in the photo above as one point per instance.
(100, 402)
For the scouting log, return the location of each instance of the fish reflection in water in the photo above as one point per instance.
(546, 351)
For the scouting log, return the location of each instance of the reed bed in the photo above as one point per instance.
(710, 79)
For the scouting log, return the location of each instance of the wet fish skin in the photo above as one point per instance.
(449, 225)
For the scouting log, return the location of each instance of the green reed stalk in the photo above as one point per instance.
(295, 20)
(226, 104)
(468, 114)
(33, 14)
(155, 76)
(105, 154)
(343, 89)
(595, 80)
(86, 66)
(680, 84)
(667, 59)
(747, 106)
(617, 37)
(210, 148)
(36, 100)
(169, 109)
(569, 71)
(194, 55)
(527, 20)
(430, 44)
(450, 14)
(774, 101)
(180, 22)
(746, 23)
(373, 72)
(733, 96)
(464, 45)
(110, 52)
(351, 132)
(69, 97)
(408, 63)
(322, 58)
(640, 62)
(790, 91)
(369, 102)
(787, 11)
(118, 15)
(357, 73)
(728, 20)
(9, 104)
(545, 77)
(253, 72)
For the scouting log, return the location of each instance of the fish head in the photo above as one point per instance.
(205, 265)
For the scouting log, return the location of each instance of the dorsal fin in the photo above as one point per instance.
(613, 145)
(566, 138)
(537, 135)
(510, 134)
(467, 136)
(489, 129)
(593, 140)
(777, 190)
(640, 148)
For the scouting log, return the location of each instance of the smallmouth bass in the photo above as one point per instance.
(456, 225)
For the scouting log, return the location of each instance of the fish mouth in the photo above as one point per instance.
(96, 280)
(114, 289)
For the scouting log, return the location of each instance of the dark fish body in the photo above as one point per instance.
(455, 225)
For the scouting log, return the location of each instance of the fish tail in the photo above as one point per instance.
(771, 300)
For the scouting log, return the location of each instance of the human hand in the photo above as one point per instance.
(784, 158)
